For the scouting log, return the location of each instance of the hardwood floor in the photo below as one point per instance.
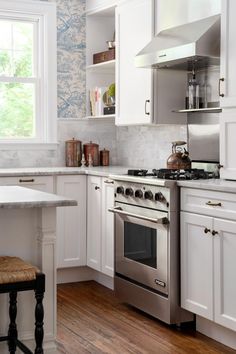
(92, 320)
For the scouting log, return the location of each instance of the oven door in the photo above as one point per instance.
(141, 252)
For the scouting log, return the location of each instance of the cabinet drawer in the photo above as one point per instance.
(41, 183)
(217, 204)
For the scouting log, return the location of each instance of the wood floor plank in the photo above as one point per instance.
(92, 320)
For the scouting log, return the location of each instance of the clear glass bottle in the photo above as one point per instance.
(193, 93)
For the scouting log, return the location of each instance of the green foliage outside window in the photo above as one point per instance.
(16, 98)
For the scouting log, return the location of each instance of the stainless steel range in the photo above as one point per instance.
(147, 246)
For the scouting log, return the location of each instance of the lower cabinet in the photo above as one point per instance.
(71, 222)
(41, 183)
(100, 225)
(208, 264)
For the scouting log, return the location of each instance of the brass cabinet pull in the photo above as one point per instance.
(221, 80)
(210, 203)
(109, 182)
(206, 230)
(26, 180)
(215, 233)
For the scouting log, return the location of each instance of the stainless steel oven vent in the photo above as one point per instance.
(195, 44)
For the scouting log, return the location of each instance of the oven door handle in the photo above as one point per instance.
(118, 210)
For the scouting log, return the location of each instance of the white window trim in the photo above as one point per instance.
(46, 12)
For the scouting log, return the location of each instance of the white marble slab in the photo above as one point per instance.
(210, 184)
(12, 197)
(47, 171)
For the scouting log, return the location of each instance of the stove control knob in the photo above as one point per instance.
(148, 195)
(159, 197)
(120, 190)
(138, 193)
(129, 192)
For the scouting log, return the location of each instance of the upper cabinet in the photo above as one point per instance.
(227, 90)
(227, 84)
(134, 29)
(169, 13)
(143, 96)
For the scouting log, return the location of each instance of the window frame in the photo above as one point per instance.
(44, 13)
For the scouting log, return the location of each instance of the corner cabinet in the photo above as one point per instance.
(71, 222)
(208, 262)
(100, 225)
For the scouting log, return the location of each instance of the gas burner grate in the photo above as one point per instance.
(140, 173)
(188, 174)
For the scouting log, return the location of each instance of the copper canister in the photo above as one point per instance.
(93, 150)
(73, 153)
(104, 157)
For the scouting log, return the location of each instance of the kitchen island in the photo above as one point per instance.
(28, 230)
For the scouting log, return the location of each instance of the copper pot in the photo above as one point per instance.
(73, 153)
(179, 159)
(93, 150)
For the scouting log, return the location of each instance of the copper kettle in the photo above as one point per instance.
(179, 159)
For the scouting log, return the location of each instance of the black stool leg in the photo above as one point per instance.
(39, 313)
(12, 331)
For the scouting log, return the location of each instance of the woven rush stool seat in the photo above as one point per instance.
(18, 275)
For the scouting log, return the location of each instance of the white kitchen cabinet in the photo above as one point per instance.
(224, 273)
(94, 222)
(197, 264)
(227, 87)
(227, 143)
(107, 227)
(134, 30)
(100, 225)
(208, 262)
(71, 222)
(143, 96)
(40, 183)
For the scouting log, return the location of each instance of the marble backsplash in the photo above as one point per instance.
(147, 147)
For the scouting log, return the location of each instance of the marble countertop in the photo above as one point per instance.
(210, 184)
(12, 197)
(47, 171)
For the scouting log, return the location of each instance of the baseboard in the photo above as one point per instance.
(73, 275)
(216, 332)
(77, 274)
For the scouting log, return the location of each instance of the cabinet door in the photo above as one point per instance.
(228, 54)
(224, 273)
(94, 222)
(71, 223)
(197, 264)
(227, 144)
(107, 227)
(40, 183)
(134, 30)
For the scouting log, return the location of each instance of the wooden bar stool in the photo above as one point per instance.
(17, 275)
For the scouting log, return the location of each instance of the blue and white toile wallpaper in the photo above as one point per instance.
(71, 58)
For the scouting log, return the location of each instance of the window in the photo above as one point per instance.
(27, 72)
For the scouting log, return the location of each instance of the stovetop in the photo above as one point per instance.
(169, 174)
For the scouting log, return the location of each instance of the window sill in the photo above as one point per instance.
(28, 146)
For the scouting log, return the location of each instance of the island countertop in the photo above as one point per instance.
(19, 197)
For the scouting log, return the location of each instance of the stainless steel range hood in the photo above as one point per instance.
(179, 47)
